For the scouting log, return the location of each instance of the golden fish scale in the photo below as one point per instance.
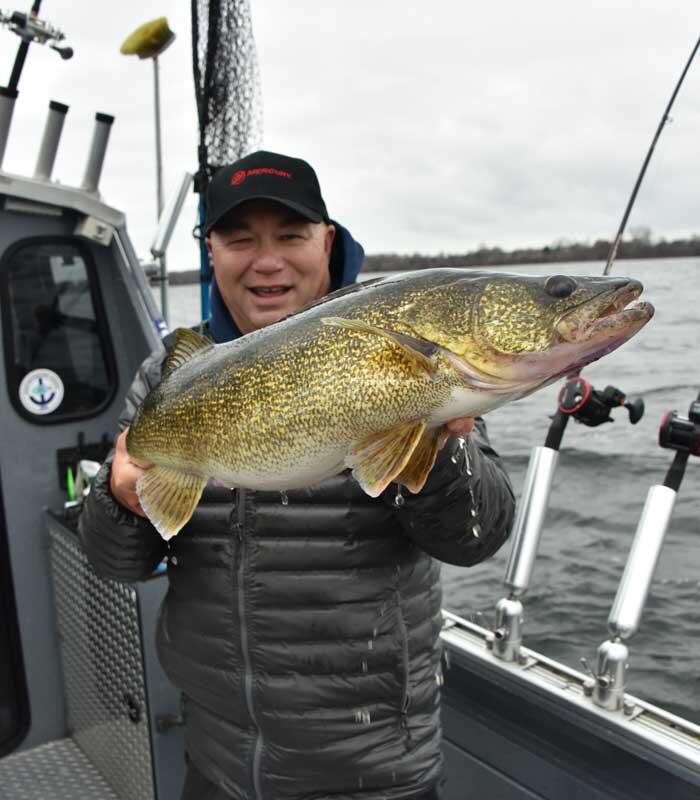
(524, 333)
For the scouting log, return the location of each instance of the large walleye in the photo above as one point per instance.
(364, 379)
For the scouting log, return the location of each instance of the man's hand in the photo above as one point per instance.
(460, 426)
(125, 473)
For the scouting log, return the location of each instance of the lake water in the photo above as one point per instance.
(598, 494)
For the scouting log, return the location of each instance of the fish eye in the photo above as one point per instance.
(560, 286)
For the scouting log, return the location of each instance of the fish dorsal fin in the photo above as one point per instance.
(414, 475)
(351, 288)
(419, 350)
(169, 497)
(379, 458)
(187, 343)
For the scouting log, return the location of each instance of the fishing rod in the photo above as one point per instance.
(579, 399)
(664, 119)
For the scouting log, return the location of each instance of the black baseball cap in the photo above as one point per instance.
(265, 176)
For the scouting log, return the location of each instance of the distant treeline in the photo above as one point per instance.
(495, 256)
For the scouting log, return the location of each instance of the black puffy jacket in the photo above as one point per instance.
(303, 630)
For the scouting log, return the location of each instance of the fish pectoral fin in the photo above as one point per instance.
(187, 343)
(418, 350)
(477, 379)
(379, 458)
(414, 475)
(169, 497)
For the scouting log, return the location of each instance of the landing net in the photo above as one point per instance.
(227, 83)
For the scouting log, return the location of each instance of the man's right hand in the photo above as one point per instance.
(125, 473)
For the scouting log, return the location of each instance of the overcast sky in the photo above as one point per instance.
(434, 126)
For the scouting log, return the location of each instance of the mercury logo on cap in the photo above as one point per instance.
(242, 174)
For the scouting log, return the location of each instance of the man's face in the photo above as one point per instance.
(269, 262)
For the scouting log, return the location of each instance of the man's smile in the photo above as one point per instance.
(271, 292)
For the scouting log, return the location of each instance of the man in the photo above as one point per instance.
(302, 629)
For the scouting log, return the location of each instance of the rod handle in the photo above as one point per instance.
(632, 592)
(530, 518)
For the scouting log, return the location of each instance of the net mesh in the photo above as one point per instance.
(227, 83)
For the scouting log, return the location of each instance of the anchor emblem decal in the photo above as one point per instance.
(45, 395)
(41, 391)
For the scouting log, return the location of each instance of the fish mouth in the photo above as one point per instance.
(610, 315)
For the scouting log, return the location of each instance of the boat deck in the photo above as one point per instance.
(55, 771)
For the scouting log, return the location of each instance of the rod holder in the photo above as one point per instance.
(505, 638)
(507, 635)
(100, 137)
(7, 106)
(606, 686)
(607, 683)
(631, 596)
(530, 519)
(50, 140)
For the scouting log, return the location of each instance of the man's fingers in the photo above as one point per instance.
(124, 475)
(460, 426)
(136, 508)
(131, 500)
(121, 448)
(123, 487)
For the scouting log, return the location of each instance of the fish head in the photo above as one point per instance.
(509, 331)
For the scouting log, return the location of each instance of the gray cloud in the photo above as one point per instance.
(434, 127)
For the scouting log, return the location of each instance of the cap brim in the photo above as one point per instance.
(311, 215)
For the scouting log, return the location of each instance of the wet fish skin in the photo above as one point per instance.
(364, 378)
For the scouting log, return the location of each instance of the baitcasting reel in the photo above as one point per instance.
(681, 433)
(579, 399)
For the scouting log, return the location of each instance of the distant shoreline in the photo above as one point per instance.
(495, 256)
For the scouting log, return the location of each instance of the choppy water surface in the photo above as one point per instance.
(599, 490)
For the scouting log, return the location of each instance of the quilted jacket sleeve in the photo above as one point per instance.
(439, 518)
(119, 544)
